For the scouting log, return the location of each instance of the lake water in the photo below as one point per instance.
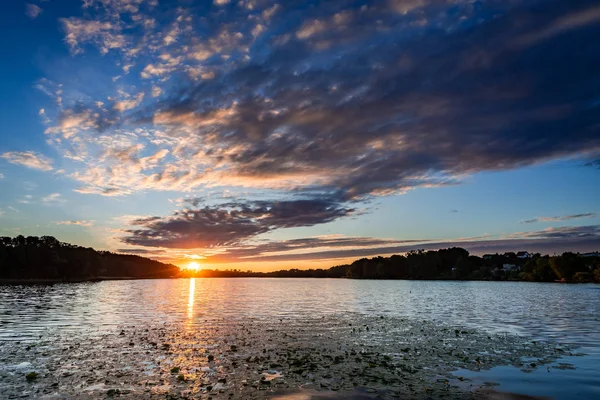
(559, 313)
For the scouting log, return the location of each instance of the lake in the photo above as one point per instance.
(471, 325)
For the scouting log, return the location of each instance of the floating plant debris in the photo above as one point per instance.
(394, 357)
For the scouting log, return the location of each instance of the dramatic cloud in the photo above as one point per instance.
(224, 234)
(367, 100)
(561, 218)
(230, 223)
(29, 159)
(330, 103)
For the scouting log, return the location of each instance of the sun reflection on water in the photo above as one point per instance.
(190, 308)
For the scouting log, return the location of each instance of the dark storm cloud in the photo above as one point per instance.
(375, 101)
(230, 223)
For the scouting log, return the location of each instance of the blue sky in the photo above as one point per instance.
(268, 134)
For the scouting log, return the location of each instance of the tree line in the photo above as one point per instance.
(46, 258)
(446, 264)
(456, 263)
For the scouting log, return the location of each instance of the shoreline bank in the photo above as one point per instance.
(36, 281)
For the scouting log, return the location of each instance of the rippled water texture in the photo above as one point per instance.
(563, 315)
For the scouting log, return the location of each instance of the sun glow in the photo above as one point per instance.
(193, 266)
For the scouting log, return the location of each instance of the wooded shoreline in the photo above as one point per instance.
(45, 260)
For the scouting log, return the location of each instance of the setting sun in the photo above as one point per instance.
(193, 266)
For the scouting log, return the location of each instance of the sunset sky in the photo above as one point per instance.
(258, 134)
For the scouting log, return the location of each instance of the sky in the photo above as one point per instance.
(259, 134)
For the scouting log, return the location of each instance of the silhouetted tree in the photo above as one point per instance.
(47, 258)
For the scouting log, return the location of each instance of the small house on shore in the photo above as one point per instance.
(592, 254)
(524, 254)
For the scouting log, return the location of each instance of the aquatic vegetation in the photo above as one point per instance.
(32, 376)
(394, 357)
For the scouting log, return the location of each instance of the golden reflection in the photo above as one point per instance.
(190, 309)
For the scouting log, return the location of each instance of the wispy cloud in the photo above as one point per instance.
(576, 238)
(53, 198)
(563, 232)
(577, 19)
(29, 186)
(142, 251)
(32, 11)
(560, 218)
(594, 163)
(27, 199)
(29, 159)
(76, 222)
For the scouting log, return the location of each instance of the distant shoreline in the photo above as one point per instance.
(35, 281)
(8, 282)
(45, 260)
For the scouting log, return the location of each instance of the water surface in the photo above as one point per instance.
(563, 314)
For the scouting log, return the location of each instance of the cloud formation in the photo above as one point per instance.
(576, 238)
(323, 106)
(230, 223)
(29, 159)
(563, 232)
(364, 100)
(561, 218)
